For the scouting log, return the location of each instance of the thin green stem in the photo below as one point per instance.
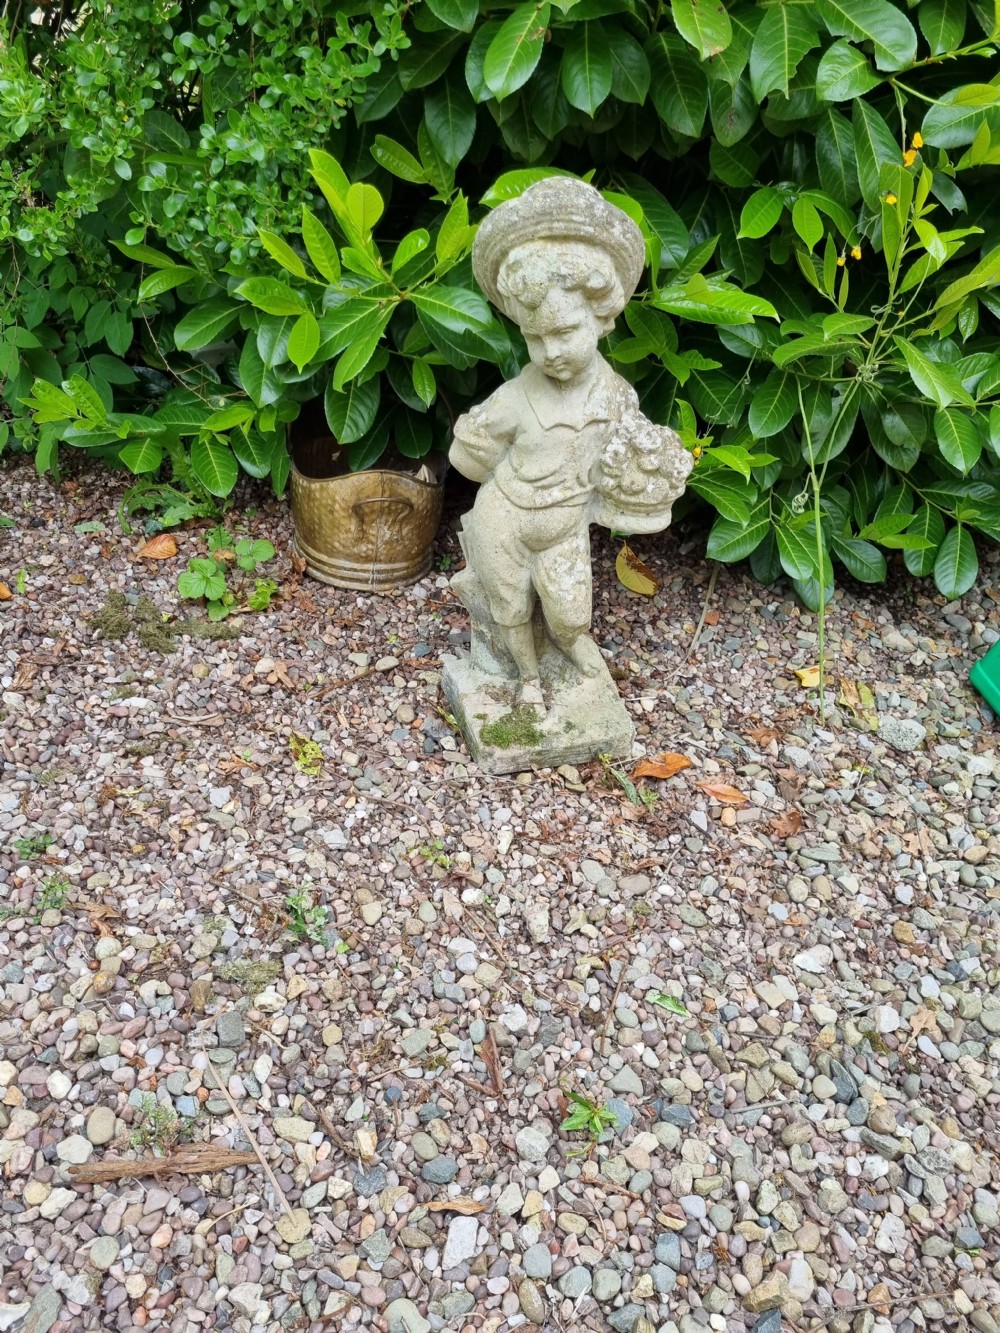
(816, 483)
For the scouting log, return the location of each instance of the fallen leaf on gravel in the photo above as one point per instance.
(764, 735)
(491, 1057)
(661, 765)
(161, 547)
(923, 1020)
(724, 794)
(808, 676)
(479, 1146)
(189, 1158)
(633, 574)
(787, 823)
(5, 593)
(25, 674)
(859, 699)
(467, 1207)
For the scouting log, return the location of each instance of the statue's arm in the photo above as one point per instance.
(482, 437)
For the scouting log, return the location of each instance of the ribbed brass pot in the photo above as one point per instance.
(371, 530)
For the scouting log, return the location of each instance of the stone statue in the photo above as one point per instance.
(560, 447)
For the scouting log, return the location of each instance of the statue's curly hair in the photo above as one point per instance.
(575, 266)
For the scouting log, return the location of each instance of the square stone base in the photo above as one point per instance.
(584, 718)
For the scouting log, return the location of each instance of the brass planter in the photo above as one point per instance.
(373, 530)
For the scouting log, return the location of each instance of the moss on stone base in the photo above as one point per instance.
(518, 727)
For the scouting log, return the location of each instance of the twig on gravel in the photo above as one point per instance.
(820, 1321)
(704, 610)
(253, 1144)
(189, 1159)
(611, 1007)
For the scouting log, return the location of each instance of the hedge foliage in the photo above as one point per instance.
(817, 184)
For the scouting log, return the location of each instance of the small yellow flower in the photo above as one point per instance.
(696, 452)
(841, 262)
(909, 157)
(890, 198)
(918, 140)
(855, 251)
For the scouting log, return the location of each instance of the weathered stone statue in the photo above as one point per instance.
(560, 447)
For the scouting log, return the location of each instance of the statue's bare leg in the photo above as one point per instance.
(521, 642)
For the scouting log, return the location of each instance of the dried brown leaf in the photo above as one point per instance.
(188, 1159)
(764, 735)
(661, 765)
(808, 676)
(786, 824)
(5, 593)
(161, 547)
(723, 793)
(467, 1207)
(634, 574)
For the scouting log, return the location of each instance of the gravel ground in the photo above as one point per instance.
(811, 1143)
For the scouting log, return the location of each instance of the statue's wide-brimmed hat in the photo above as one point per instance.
(558, 208)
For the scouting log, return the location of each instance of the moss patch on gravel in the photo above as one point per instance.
(252, 978)
(118, 618)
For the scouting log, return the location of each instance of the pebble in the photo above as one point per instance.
(101, 1125)
(461, 1242)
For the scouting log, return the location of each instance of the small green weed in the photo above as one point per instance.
(207, 578)
(307, 755)
(588, 1116)
(21, 582)
(307, 920)
(34, 845)
(157, 1127)
(669, 1002)
(435, 853)
(638, 795)
(53, 896)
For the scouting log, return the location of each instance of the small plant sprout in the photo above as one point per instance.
(306, 920)
(156, 1126)
(208, 578)
(307, 755)
(587, 1116)
(34, 845)
(53, 896)
(434, 853)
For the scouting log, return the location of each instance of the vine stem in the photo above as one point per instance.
(816, 484)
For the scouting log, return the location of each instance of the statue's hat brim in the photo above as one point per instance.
(558, 208)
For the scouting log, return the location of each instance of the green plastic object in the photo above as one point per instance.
(985, 675)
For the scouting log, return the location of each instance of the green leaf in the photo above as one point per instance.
(214, 466)
(424, 383)
(874, 146)
(786, 33)
(397, 160)
(368, 450)
(807, 222)
(426, 58)
(350, 412)
(678, 87)
(164, 279)
(320, 246)
(797, 550)
(730, 499)
(205, 325)
(87, 399)
(341, 325)
(836, 158)
(773, 405)
(713, 302)
(272, 296)
(761, 212)
(670, 1002)
(956, 564)
(937, 381)
(142, 456)
(943, 24)
(454, 234)
(957, 117)
(331, 178)
(282, 252)
(456, 308)
(704, 24)
(985, 274)
(629, 67)
(450, 116)
(729, 541)
(929, 524)
(364, 208)
(515, 50)
(253, 453)
(145, 254)
(860, 558)
(303, 341)
(958, 439)
(366, 338)
(412, 434)
(460, 14)
(586, 70)
(890, 32)
(844, 73)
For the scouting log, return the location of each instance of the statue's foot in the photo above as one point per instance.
(530, 695)
(585, 655)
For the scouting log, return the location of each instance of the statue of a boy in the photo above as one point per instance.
(560, 447)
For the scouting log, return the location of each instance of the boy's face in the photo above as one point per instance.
(562, 334)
